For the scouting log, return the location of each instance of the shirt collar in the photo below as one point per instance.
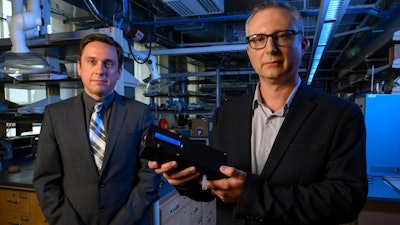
(257, 98)
(90, 102)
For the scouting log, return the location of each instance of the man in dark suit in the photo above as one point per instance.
(70, 188)
(295, 155)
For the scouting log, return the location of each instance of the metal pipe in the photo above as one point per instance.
(96, 13)
(200, 50)
(372, 78)
(193, 20)
(357, 9)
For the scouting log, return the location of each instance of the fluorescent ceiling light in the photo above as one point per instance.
(333, 9)
(318, 52)
(326, 32)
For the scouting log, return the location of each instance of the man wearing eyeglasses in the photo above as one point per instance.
(295, 155)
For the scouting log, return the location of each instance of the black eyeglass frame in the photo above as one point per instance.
(274, 38)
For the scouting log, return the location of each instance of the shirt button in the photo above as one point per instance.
(102, 209)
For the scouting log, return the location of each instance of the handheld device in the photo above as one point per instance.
(163, 146)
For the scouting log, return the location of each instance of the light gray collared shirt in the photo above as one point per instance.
(265, 128)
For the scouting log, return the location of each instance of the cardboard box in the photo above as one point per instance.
(200, 128)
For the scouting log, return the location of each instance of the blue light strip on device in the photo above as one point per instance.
(167, 139)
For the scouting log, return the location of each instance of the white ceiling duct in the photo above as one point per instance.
(23, 25)
(196, 7)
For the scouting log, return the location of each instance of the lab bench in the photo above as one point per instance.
(383, 204)
(19, 205)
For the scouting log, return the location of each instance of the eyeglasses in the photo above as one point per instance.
(280, 38)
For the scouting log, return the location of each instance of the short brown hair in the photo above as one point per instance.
(105, 39)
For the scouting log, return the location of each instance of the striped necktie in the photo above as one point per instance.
(97, 134)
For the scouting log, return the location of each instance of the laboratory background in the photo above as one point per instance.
(185, 58)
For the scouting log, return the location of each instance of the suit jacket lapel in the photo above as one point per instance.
(78, 130)
(298, 112)
(245, 112)
(117, 119)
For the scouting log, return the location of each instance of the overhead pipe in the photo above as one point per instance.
(193, 20)
(310, 12)
(201, 50)
(130, 30)
(96, 13)
(23, 25)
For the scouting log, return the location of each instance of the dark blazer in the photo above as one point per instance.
(316, 171)
(69, 188)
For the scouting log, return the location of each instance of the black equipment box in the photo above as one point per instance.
(163, 146)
